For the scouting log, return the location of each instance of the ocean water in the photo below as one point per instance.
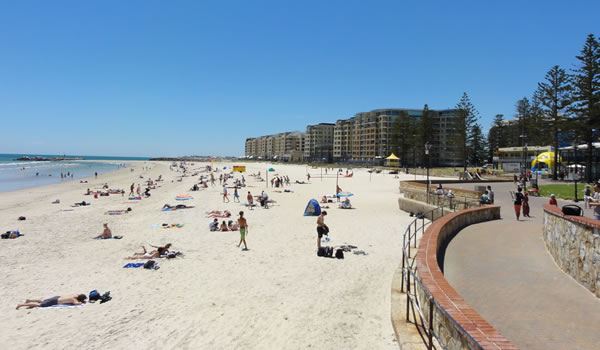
(16, 174)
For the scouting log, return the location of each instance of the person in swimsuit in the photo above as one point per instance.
(106, 234)
(225, 194)
(236, 196)
(322, 229)
(158, 253)
(243, 224)
(250, 200)
(75, 299)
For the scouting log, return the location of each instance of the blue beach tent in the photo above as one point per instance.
(313, 208)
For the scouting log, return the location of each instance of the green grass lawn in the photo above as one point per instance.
(563, 191)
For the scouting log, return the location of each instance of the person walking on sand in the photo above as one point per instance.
(518, 201)
(322, 229)
(225, 194)
(236, 195)
(212, 179)
(131, 194)
(139, 190)
(243, 224)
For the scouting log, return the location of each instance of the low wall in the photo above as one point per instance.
(418, 186)
(435, 200)
(574, 243)
(415, 206)
(457, 324)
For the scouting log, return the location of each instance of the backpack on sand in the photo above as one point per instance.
(339, 253)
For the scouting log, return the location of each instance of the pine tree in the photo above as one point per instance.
(586, 96)
(477, 146)
(554, 95)
(523, 116)
(402, 137)
(466, 117)
(425, 132)
(497, 135)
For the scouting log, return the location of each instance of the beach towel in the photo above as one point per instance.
(135, 198)
(61, 306)
(11, 235)
(116, 212)
(168, 209)
(133, 265)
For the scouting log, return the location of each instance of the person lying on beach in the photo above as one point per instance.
(219, 214)
(346, 204)
(118, 212)
(158, 253)
(178, 206)
(81, 204)
(74, 299)
(106, 234)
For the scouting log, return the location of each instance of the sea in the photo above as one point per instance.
(15, 174)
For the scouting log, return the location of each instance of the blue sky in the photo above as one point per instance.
(166, 78)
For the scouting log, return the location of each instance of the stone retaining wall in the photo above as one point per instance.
(457, 324)
(574, 243)
(459, 192)
(457, 203)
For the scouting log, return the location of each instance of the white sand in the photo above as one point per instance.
(277, 295)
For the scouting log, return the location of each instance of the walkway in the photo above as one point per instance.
(503, 270)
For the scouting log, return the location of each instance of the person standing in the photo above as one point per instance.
(322, 229)
(250, 200)
(518, 202)
(595, 201)
(243, 224)
(236, 195)
(552, 200)
(131, 193)
(225, 194)
(526, 205)
(139, 190)
(490, 194)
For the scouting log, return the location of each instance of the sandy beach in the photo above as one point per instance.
(278, 294)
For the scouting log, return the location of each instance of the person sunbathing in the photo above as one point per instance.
(178, 206)
(74, 299)
(81, 204)
(346, 204)
(219, 214)
(106, 234)
(158, 253)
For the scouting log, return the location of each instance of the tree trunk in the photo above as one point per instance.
(555, 165)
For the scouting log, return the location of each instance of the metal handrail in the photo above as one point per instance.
(412, 302)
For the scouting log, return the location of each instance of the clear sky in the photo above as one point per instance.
(167, 78)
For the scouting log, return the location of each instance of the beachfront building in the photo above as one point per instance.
(285, 146)
(318, 144)
(368, 136)
(515, 159)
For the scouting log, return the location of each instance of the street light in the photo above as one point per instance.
(427, 148)
(575, 175)
(525, 166)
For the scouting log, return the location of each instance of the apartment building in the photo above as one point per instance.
(286, 146)
(318, 145)
(368, 136)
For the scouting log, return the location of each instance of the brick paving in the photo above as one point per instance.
(503, 270)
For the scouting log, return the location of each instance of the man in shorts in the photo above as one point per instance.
(243, 224)
(322, 229)
(225, 194)
(250, 200)
(74, 299)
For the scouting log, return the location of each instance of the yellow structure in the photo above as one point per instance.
(392, 160)
(545, 160)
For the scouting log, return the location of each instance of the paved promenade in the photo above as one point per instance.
(503, 270)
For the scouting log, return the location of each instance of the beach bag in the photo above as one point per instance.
(94, 295)
(339, 253)
(21, 218)
(321, 251)
(329, 252)
(151, 265)
(105, 297)
(572, 209)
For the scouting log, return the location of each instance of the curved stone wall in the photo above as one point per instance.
(574, 243)
(458, 325)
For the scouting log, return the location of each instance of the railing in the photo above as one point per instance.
(410, 280)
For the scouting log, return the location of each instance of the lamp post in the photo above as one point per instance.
(525, 167)
(427, 148)
(575, 175)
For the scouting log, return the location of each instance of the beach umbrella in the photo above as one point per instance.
(345, 194)
(271, 169)
(183, 197)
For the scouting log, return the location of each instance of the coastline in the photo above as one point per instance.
(277, 294)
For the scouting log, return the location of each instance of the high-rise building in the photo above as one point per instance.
(318, 145)
(368, 136)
